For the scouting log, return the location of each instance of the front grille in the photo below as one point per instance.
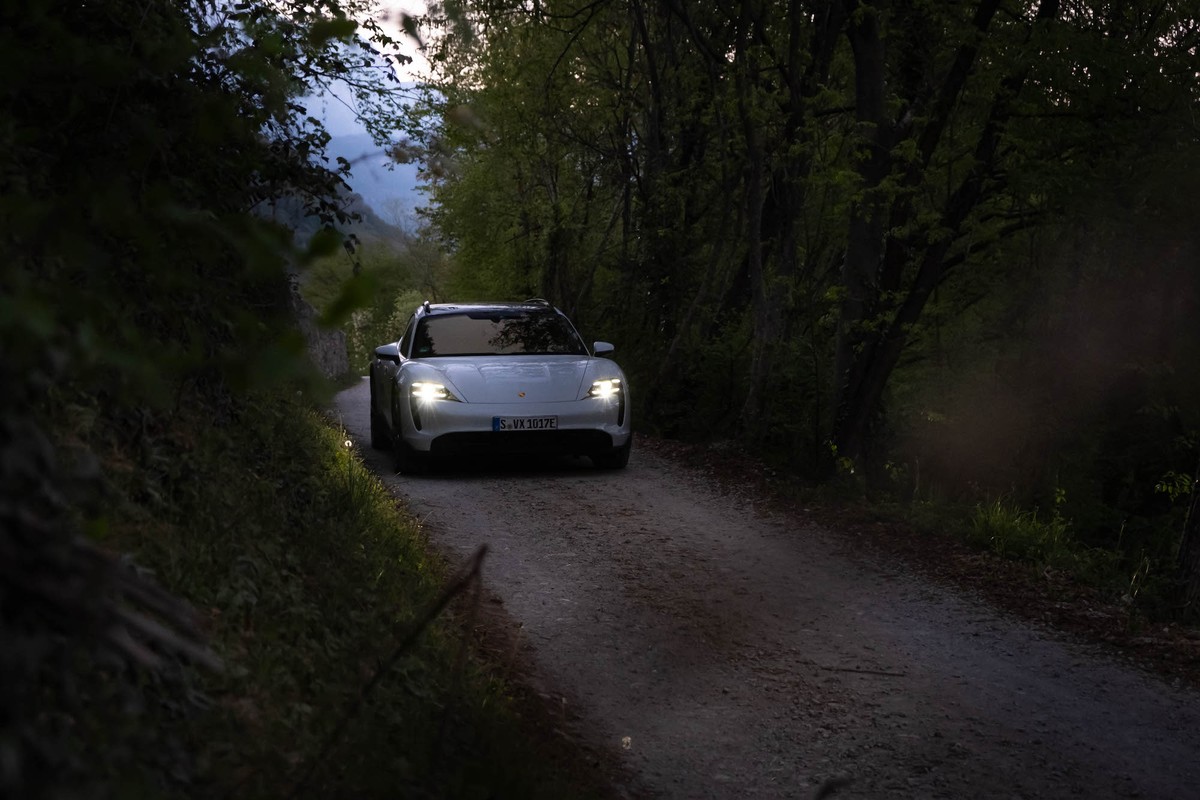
(569, 442)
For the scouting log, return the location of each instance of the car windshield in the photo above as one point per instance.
(493, 333)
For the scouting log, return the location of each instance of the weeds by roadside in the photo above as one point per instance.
(1137, 572)
(311, 584)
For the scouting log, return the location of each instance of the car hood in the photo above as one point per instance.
(514, 379)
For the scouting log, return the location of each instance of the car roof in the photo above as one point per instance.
(535, 304)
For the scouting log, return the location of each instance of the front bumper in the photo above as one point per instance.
(585, 427)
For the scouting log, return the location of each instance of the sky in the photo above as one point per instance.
(390, 16)
(371, 177)
(339, 116)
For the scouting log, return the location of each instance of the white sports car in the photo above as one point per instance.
(512, 378)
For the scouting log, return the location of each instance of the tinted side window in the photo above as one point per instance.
(406, 339)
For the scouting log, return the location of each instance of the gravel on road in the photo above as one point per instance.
(719, 647)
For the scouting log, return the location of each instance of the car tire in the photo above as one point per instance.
(617, 458)
(381, 437)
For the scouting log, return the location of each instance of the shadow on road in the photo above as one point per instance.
(496, 467)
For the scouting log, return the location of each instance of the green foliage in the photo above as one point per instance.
(307, 577)
(703, 397)
(1125, 572)
(969, 253)
(371, 298)
(1075, 380)
(1008, 530)
(355, 293)
(1176, 486)
(139, 286)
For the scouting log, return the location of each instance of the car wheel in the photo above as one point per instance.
(616, 458)
(381, 438)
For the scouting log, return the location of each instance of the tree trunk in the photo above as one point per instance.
(776, 208)
(1189, 554)
(869, 343)
(865, 237)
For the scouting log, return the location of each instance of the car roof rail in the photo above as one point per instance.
(538, 301)
(425, 306)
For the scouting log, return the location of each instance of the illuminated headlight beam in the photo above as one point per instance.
(426, 391)
(605, 388)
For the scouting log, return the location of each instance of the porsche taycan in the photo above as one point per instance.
(467, 379)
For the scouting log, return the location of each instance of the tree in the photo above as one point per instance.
(795, 180)
(139, 139)
(900, 246)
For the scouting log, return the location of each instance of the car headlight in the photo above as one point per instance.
(424, 395)
(427, 391)
(608, 387)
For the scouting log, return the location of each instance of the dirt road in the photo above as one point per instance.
(724, 652)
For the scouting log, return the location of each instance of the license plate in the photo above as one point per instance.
(524, 423)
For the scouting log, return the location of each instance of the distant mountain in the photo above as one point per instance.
(390, 189)
(382, 193)
(289, 211)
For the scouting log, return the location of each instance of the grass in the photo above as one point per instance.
(1011, 531)
(1129, 572)
(386, 302)
(1048, 543)
(309, 577)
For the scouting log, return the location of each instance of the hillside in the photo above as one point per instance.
(389, 189)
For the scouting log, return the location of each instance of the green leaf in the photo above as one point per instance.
(324, 242)
(324, 30)
(357, 292)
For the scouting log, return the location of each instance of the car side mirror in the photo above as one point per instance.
(602, 348)
(388, 352)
